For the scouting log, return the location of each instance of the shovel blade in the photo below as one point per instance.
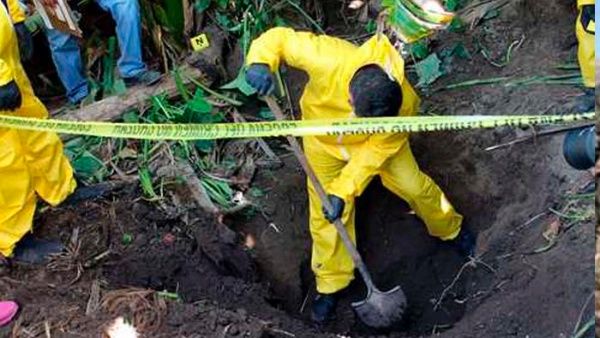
(382, 310)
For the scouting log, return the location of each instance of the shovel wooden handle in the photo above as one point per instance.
(339, 226)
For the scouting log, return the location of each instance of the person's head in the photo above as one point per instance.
(374, 94)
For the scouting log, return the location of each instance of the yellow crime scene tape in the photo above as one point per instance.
(331, 127)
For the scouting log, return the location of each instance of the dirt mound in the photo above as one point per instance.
(206, 278)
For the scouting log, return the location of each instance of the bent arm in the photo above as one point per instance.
(303, 50)
(362, 167)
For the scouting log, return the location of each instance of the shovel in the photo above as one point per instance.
(379, 309)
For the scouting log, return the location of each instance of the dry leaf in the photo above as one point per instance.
(553, 230)
(126, 153)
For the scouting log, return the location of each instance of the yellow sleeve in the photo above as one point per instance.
(6, 74)
(581, 3)
(363, 166)
(15, 10)
(303, 50)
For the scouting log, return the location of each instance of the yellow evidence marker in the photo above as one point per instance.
(200, 42)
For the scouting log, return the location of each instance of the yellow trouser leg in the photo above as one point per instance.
(17, 197)
(402, 176)
(586, 53)
(331, 262)
(30, 162)
(50, 169)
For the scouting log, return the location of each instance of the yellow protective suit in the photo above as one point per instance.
(346, 164)
(30, 162)
(586, 52)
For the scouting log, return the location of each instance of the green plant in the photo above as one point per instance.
(87, 166)
(247, 19)
(126, 239)
(146, 183)
(428, 70)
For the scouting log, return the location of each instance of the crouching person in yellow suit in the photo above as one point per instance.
(348, 81)
(586, 30)
(31, 163)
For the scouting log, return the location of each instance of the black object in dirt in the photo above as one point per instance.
(579, 148)
(323, 308)
(33, 250)
(91, 192)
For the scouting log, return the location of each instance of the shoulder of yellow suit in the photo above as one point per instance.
(16, 12)
(585, 2)
(379, 50)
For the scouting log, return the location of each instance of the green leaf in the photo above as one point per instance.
(34, 23)
(131, 117)
(279, 22)
(461, 51)
(108, 65)
(175, 17)
(453, 5)
(119, 87)
(494, 13)
(419, 49)
(180, 86)
(240, 84)
(205, 146)
(223, 20)
(199, 104)
(223, 3)
(161, 16)
(256, 192)
(127, 239)
(457, 25)
(146, 182)
(428, 70)
(88, 166)
(202, 5)
(266, 114)
(371, 26)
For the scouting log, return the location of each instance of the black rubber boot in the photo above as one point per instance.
(147, 78)
(87, 193)
(33, 250)
(579, 148)
(323, 308)
(465, 242)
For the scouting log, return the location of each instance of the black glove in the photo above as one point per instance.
(25, 41)
(10, 96)
(338, 205)
(259, 76)
(588, 14)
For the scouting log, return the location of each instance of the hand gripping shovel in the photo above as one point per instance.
(380, 309)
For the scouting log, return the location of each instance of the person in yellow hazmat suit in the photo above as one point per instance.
(31, 163)
(585, 29)
(347, 81)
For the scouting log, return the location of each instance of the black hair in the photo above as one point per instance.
(374, 93)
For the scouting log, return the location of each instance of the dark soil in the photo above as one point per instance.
(249, 277)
